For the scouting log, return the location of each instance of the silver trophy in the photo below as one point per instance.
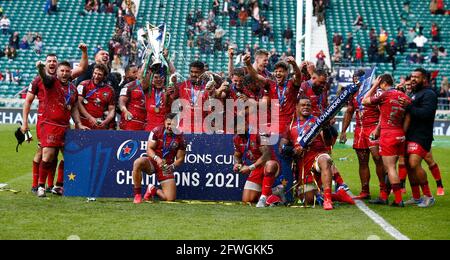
(153, 40)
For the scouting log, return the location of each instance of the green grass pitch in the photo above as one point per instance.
(23, 216)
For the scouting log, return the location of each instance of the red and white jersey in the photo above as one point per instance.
(299, 128)
(392, 112)
(97, 99)
(37, 88)
(366, 116)
(249, 146)
(136, 100)
(157, 108)
(196, 96)
(319, 102)
(167, 145)
(286, 94)
(59, 101)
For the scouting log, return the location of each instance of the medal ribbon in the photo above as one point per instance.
(69, 95)
(166, 150)
(301, 129)
(281, 96)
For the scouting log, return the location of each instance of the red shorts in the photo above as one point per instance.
(362, 138)
(52, 135)
(160, 175)
(415, 148)
(257, 176)
(132, 125)
(307, 166)
(38, 128)
(392, 143)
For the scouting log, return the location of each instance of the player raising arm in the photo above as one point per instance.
(392, 120)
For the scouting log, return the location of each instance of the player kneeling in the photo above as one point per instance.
(166, 151)
(263, 171)
(314, 164)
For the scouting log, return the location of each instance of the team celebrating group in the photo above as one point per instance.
(394, 124)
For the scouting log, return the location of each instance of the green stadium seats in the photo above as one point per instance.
(61, 34)
(174, 15)
(387, 13)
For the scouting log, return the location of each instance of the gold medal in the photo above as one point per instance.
(157, 110)
(69, 107)
(85, 101)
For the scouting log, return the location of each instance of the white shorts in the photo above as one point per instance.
(252, 186)
(316, 163)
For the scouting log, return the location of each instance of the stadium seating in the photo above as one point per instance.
(174, 14)
(61, 34)
(387, 14)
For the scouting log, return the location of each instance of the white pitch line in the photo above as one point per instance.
(388, 228)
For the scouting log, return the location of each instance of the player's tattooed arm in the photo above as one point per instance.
(266, 155)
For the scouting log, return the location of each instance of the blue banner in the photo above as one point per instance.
(99, 164)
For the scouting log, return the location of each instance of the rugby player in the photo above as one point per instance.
(393, 128)
(166, 152)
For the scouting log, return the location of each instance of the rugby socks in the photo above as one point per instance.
(338, 178)
(60, 180)
(384, 195)
(327, 194)
(268, 181)
(402, 173)
(415, 191)
(426, 189)
(397, 192)
(35, 174)
(51, 175)
(436, 172)
(44, 170)
(137, 191)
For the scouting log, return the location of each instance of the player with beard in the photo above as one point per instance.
(316, 89)
(283, 89)
(264, 168)
(419, 137)
(314, 162)
(131, 74)
(166, 152)
(159, 101)
(365, 143)
(36, 89)
(195, 92)
(394, 124)
(432, 164)
(61, 103)
(96, 100)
